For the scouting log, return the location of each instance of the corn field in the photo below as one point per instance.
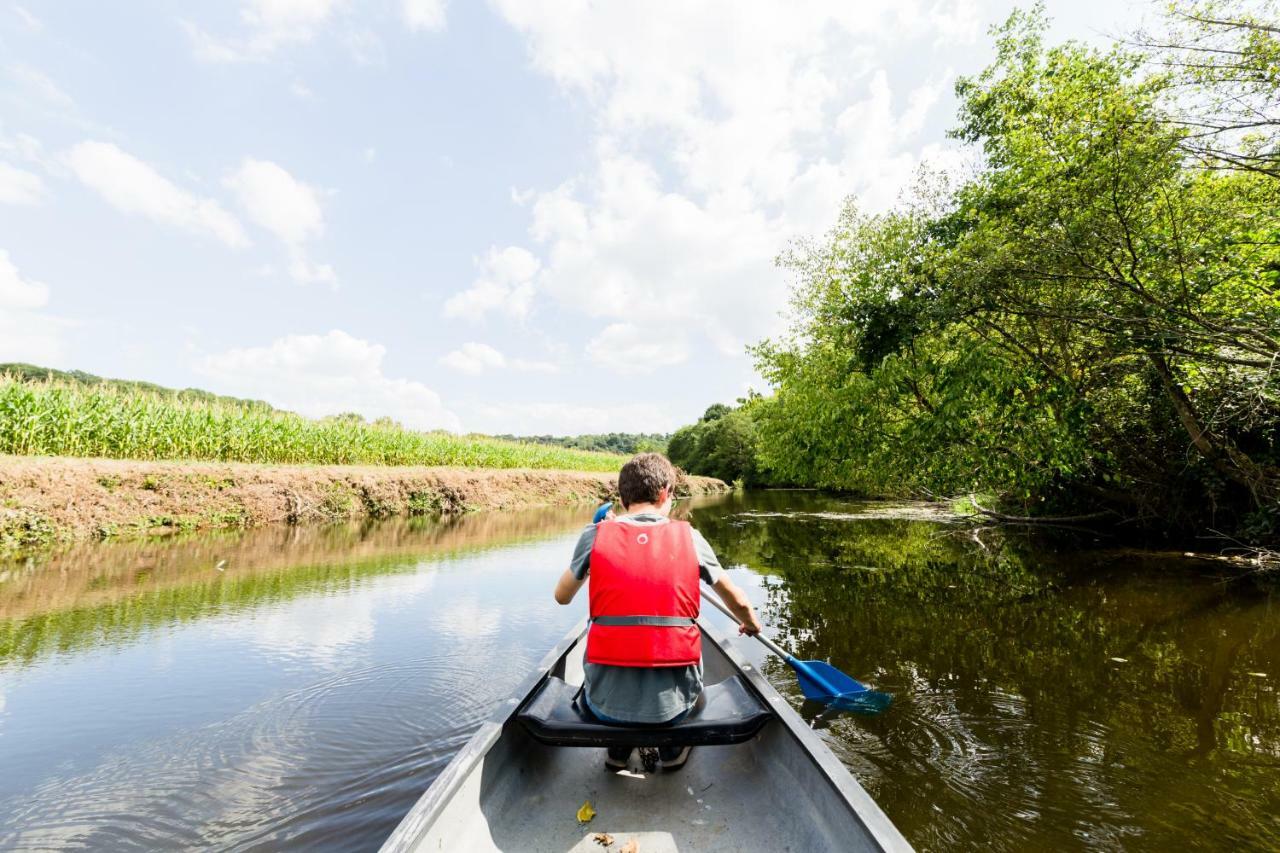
(54, 418)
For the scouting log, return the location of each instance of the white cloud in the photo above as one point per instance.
(317, 375)
(724, 131)
(628, 348)
(132, 186)
(30, 21)
(424, 14)
(305, 271)
(18, 186)
(505, 285)
(17, 293)
(26, 334)
(275, 200)
(301, 90)
(525, 365)
(40, 85)
(268, 26)
(474, 358)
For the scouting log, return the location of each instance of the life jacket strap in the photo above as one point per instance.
(648, 621)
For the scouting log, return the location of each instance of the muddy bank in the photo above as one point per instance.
(48, 501)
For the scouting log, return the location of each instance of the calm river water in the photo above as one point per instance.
(300, 688)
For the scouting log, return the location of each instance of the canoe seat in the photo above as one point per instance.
(728, 712)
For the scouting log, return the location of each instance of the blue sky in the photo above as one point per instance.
(515, 216)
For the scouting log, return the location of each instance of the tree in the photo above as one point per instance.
(1223, 62)
(1091, 319)
(715, 411)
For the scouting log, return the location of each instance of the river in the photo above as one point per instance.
(298, 688)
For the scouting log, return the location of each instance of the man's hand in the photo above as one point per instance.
(751, 625)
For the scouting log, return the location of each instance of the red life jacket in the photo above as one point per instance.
(643, 584)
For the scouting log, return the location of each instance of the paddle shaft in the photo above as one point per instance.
(798, 665)
(768, 644)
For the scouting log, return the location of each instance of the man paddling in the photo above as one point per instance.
(644, 650)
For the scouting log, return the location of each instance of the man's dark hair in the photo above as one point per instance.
(643, 477)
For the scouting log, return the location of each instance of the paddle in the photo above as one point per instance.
(820, 680)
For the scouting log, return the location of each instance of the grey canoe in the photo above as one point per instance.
(772, 785)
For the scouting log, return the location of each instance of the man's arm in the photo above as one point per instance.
(576, 575)
(737, 602)
(567, 587)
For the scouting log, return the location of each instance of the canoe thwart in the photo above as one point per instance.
(726, 713)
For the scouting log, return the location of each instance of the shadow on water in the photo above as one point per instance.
(1046, 695)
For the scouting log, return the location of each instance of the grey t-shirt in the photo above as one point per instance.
(639, 694)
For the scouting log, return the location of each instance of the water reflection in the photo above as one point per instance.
(93, 594)
(303, 696)
(299, 687)
(1044, 696)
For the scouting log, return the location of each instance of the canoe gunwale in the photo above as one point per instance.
(442, 790)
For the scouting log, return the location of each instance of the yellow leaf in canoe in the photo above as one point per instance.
(586, 812)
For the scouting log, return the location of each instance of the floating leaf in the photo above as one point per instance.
(586, 812)
(1120, 660)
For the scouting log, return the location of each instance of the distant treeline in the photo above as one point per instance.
(610, 442)
(1086, 323)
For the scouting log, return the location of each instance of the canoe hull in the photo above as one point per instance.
(783, 790)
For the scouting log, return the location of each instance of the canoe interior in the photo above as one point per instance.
(771, 793)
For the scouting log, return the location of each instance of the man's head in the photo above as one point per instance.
(649, 478)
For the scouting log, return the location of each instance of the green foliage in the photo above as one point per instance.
(57, 418)
(723, 444)
(715, 411)
(33, 373)
(1223, 59)
(22, 530)
(1090, 320)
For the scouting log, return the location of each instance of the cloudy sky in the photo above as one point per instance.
(520, 216)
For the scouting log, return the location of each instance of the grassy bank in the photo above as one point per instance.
(48, 501)
(59, 418)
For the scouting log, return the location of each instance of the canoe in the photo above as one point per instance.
(767, 783)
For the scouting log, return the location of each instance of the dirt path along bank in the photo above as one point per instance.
(46, 501)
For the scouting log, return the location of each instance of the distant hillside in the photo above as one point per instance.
(612, 442)
(35, 373)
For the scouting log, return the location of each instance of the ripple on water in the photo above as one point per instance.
(335, 763)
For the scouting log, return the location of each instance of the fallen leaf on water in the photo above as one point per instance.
(586, 812)
(1121, 660)
(630, 847)
(604, 839)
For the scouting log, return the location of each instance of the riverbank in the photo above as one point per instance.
(46, 501)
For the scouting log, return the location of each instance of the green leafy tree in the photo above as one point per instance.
(1090, 321)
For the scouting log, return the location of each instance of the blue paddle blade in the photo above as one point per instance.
(867, 702)
(821, 681)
